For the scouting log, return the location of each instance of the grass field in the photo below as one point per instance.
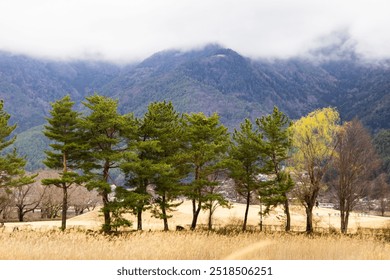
(43, 240)
(73, 245)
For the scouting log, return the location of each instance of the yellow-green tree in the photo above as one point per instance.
(314, 142)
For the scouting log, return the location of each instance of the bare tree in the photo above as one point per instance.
(83, 199)
(27, 198)
(5, 203)
(353, 164)
(51, 203)
(214, 197)
(381, 192)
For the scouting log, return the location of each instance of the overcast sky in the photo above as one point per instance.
(128, 30)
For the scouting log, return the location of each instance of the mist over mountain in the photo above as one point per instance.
(28, 85)
(211, 79)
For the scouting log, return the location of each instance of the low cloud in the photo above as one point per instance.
(124, 31)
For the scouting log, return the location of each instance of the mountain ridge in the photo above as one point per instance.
(296, 85)
(209, 79)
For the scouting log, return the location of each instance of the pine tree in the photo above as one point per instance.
(206, 143)
(9, 164)
(66, 150)
(12, 173)
(214, 197)
(155, 160)
(162, 124)
(102, 130)
(138, 171)
(246, 162)
(277, 142)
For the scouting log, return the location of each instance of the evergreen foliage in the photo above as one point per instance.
(12, 173)
(206, 143)
(103, 130)
(162, 124)
(277, 142)
(11, 165)
(166, 155)
(382, 146)
(245, 162)
(67, 149)
(155, 159)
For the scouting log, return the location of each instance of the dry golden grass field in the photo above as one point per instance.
(82, 241)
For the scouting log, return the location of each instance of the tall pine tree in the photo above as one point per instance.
(138, 170)
(162, 124)
(277, 142)
(12, 173)
(206, 143)
(245, 162)
(62, 130)
(102, 130)
(154, 159)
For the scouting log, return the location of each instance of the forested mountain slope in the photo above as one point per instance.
(211, 79)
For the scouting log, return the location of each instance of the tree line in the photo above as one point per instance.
(166, 157)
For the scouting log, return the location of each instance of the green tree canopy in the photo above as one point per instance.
(245, 162)
(103, 131)
(63, 130)
(277, 142)
(206, 142)
(155, 159)
(11, 165)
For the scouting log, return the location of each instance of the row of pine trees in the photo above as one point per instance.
(180, 155)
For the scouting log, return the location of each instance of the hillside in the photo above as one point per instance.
(28, 85)
(212, 79)
(220, 80)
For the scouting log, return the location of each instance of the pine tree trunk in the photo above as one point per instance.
(106, 213)
(64, 193)
(210, 223)
(195, 212)
(287, 212)
(166, 227)
(64, 207)
(164, 212)
(193, 223)
(248, 197)
(139, 219)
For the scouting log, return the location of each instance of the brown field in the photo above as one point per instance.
(42, 240)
